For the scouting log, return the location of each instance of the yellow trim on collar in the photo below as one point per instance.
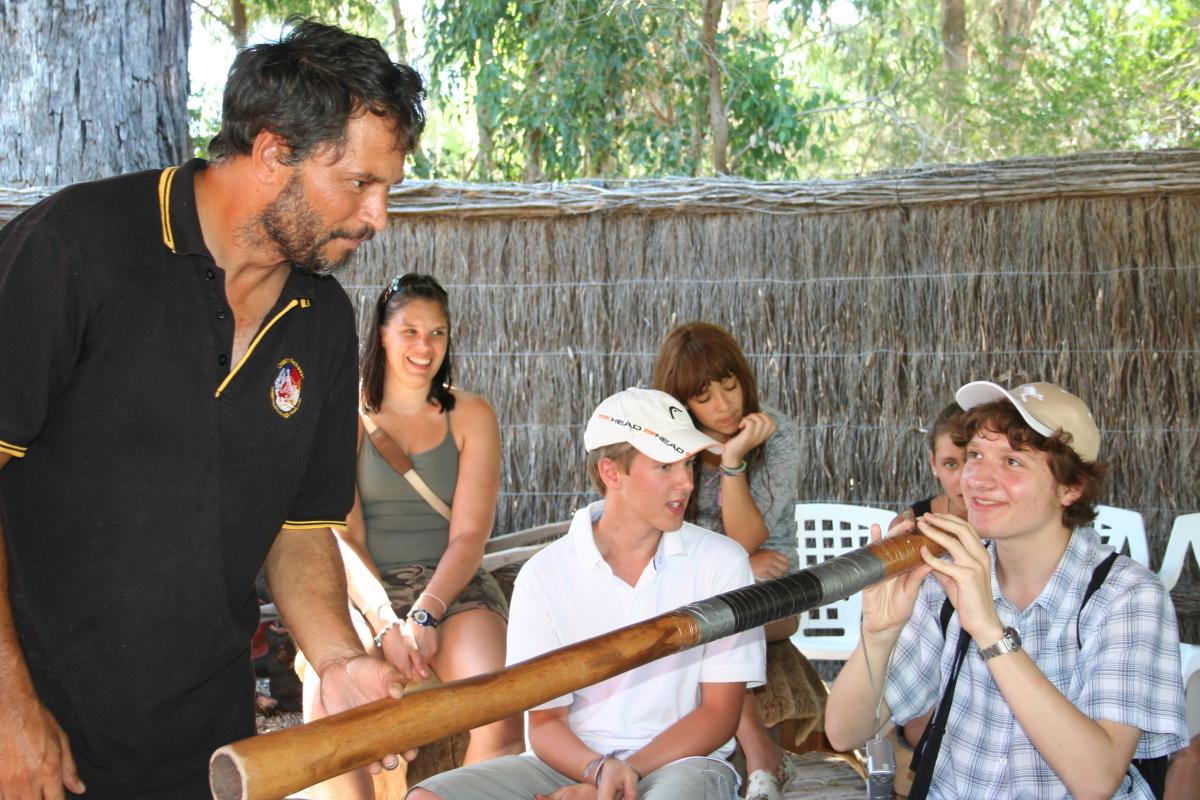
(292, 525)
(257, 339)
(14, 450)
(164, 206)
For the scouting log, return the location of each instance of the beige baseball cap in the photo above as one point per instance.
(654, 422)
(1047, 408)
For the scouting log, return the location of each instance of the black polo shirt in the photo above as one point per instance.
(150, 477)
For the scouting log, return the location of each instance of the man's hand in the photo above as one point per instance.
(967, 578)
(350, 682)
(574, 791)
(768, 564)
(888, 605)
(35, 756)
(617, 779)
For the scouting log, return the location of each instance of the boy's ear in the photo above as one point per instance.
(1067, 495)
(610, 473)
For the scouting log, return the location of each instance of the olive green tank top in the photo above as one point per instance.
(401, 527)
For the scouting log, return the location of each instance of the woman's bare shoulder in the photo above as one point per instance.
(471, 409)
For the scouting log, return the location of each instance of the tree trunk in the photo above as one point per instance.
(954, 35)
(400, 32)
(716, 107)
(91, 88)
(238, 28)
(1015, 22)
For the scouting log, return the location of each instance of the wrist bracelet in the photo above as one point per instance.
(600, 770)
(379, 636)
(733, 472)
(591, 767)
(445, 607)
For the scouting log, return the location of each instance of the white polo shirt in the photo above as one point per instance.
(567, 592)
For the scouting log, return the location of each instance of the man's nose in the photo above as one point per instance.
(374, 211)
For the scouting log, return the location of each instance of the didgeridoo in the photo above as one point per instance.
(276, 764)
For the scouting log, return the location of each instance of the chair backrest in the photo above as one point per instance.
(1185, 535)
(1124, 530)
(826, 530)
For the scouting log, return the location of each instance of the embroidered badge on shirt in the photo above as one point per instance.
(285, 391)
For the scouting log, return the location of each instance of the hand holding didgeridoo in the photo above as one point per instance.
(276, 764)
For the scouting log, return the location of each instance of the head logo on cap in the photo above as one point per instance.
(651, 421)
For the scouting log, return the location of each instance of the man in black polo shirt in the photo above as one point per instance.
(178, 408)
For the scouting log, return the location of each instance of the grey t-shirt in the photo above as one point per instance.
(773, 486)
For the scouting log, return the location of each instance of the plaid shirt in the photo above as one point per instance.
(1127, 672)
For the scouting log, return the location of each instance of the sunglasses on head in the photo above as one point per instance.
(410, 279)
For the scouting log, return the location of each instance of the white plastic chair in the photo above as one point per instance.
(1185, 535)
(1125, 531)
(826, 530)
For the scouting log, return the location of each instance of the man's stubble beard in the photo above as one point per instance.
(292, 225)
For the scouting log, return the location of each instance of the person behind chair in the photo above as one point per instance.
(663, 730)
(748, 492)
(946, 462)
(1059, 691)
(414, 574)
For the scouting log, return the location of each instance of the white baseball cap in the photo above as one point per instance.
(1047, 409)
(654, 422)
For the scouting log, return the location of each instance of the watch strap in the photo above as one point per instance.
(1009, 642)
(424, 618)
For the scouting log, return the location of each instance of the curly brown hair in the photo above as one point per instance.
(1068, 469)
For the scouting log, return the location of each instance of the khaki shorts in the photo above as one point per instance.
(522, 777)
(404, 584)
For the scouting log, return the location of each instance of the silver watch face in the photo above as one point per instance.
(421, 616)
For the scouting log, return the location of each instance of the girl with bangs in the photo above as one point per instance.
(747, 493)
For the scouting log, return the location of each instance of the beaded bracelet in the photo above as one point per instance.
(379, 636)
(733, 472)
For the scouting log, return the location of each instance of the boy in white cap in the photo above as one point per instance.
(662, 731)
(1053, 663)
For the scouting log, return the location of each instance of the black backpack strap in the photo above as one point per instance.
(1152, 770)
(925, 752)
(1099, 576)
(947, 613)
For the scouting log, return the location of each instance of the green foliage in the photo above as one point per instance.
(1089, 75)
(560, 89)
(575, 88)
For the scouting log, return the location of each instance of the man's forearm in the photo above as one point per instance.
(15, 682)
(305, 573)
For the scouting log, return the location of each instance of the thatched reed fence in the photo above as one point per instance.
(862, 304)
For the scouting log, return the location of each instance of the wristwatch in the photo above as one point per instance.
(423, 617)
(1010, 641)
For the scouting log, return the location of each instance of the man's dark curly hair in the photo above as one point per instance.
(308, 85)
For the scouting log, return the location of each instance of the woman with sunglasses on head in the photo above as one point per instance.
(414, 575)
(748, 492)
